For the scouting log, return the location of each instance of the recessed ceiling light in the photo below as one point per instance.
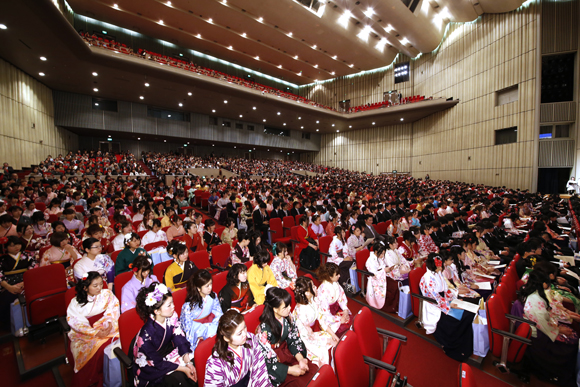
(160, 21)
(164, 140)
(190, 93)
(96, 104)
(188, 142)
(95, 74)
(402, 119)
(244, 34)
(257, 58)
(264, 120)
(332, 73)
(198, 36)
(141, 97)
(369, 12)
(43, 58)
(302, 127)
(146, 84)
(41, 74)
(278, 113)
(95, 89)
(289, 33)
(234, 147)
(317, 130)
(296, 57)
(210, 20)
(3, 26)
(212, 144)
(314, 47)
(333, 125)
(109, 135)
(241, 116)
(373, 123)
(115, 6)
(280, 66)
(138, 138)
(213, 111)
(337, 131)
(318, 122)
(169, 115)
(284, 124)
(225, 101)
(299, 118)
(351, 66)
(230, 47)
(350, 126)
(260, 19)
(315, 66)
(334, 57)
(169, 3)
(254, 108)
(180, 104)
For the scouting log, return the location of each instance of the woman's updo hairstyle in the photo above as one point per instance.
(143, 310)
(121, 225)
(196, 281)
(228, 323)
(326, 271)
(87, 243)
(141, 262)
(303, 285)
(129, 237)
(262, 258)
(379, 248)
(176, 248)
(389, 240)
(430, 261)
(81, 287)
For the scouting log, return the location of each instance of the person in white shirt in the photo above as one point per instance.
(572, 186)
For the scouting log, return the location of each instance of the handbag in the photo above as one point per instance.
(480, 335)
(17, 325)
(405, 306)
(112, 366)
(352, 283)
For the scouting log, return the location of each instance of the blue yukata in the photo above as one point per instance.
(198, 323)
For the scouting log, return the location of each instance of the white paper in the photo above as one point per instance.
(567, 259)
(483, 285)
(494, 262)
(485, 276)
(499, 266)
(572, 274)
(473, 308)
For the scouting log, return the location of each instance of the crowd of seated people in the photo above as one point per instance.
(124, 226)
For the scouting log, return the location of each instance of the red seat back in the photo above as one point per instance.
(325, 377)
(381, 228)
(219, 281)
(220, 254)
(40, 206)
(202, 353)
(201, 259)
(276, 227)
(366, 330)
(120, 281)
(45, 289)
(159, 270)
(495, 312)
(466, 378)
(69, 295)
(142, 233)
(129, 325)
(348, 359)
(114, 255)
(253, 318)
(414, 280)
(324, 243)
(288, 222)
(361, 260)
(179, 297)
(155, 245)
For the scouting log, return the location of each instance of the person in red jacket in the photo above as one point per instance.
(308, 246)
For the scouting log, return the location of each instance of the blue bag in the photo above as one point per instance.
(480, 335)
(353, 282)
(111, 367)
(16, 324)
(405, 306)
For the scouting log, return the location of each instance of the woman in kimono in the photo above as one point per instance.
(237, 294)
(356, 241)
(306, 313)
(240, 253)
(60, 251)
(230, 233)
(93, 317)
(237, 359)
(282, 267)
(452, 276)
(409, 249)
(201, 311)
(193, 240)
(30, 243)
(308, 245)
(554, 348)
(399, 266)
(426, 244)
(13, 265)
(163, 356)
(338, 251)
(382, 291)
(131, 251)
(284, 351)
(93, 260)
(181, 269)
(176, 229)
(141, 278)
(154, 235)
(122, 229)
(331, 300)
(210, 238)
(260, 277)
(451, 327)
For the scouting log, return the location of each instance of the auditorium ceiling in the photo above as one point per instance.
(36, 28)
(298, 40)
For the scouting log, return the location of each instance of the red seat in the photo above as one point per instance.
(325, 377)
(386, 349)
(179, 297)
(297, 219)
(80, 209)
(278, 231)
(219, 230)
(381, 228)
(129, 325)
(466, 378)
(52, 218)
(40, 206)
(220, 254)
(154, 245)
(253, 318)
(159, 270)
(114, 255)
(45, 289)
(165, 228)
(323, 247)
(120, 281)
(201, 260)
(219, 281)
(142, 233)
(136, 225)
(414, 280)
(202, 352)
(361, 259)
(351, 367)
(288, 223)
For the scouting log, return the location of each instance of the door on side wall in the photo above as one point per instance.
(553, 180)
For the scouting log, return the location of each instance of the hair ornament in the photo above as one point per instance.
(127, 237)
(156, 295)
(438, 262)
(85, 276)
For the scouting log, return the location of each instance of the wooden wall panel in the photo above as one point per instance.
(23, 102)
(473, 62)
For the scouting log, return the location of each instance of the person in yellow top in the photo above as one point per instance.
(261, 277)
(181, 269)
(166, 220)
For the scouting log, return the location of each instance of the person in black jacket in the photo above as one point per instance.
(261, 221)
(232, 208)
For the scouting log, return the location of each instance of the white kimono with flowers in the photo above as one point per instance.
(317, 343)
(377, 284)
(328, 294)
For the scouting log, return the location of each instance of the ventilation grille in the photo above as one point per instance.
(558, 153)
(558, 112)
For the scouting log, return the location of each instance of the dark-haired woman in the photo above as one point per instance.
(193, 239)
(450, 326)
(210, 237)
(142, 278)
(93, 260)
(282, 266)
(554, 348)
(308, 245)
(237, 359)
(410, 249)
(237, 294)
(13, 265)
(131, 251)
(93, 317)
(284, 351)
(306, 313)
(261, 277)
(332, 300)
(201, 311)
(181, 270)
(60, 251)
(163, 356)
(240, 253)
(122, 229)
(382, 290)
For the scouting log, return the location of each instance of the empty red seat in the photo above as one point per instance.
(466, 378)
(220, 254)
(202, 353)
(159, 270)
(120, 281)
(45, 289)
(325, 377)
(252, 318)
